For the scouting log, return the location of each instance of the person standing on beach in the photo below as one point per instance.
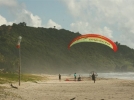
(93, 77)
(75, 76)
(59, 77)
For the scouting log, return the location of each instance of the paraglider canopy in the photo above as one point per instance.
(93, 38)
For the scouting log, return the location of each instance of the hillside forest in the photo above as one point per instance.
(45, 50)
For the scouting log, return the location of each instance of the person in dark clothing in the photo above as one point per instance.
(59, 77)
(79, 78)
(93, 77)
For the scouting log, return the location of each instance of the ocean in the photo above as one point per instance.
(120, 75)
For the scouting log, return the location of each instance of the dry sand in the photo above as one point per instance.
(53, 89)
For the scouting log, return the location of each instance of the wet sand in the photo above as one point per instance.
(53, 89)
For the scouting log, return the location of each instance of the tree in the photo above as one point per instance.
(22, 24)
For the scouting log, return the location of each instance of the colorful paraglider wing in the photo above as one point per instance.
(93, 38)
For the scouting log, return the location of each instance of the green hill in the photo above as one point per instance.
(44, 50)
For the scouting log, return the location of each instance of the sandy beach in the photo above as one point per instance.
(53, 89)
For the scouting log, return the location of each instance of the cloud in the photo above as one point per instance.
(2, 20)
(21, 14)
(51, 24)
(29, 18)
(112, 18)
(87, 28)
(8, 3)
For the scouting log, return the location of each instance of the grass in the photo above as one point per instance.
(9, 77)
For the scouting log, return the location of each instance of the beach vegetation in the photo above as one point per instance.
(11, 78)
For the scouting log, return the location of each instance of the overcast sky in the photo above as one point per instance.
(111, 18)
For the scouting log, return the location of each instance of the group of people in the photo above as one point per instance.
(79, 78)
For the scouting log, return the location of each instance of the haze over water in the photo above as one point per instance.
(120, 75)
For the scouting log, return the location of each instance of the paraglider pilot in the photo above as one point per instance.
(93, 77)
